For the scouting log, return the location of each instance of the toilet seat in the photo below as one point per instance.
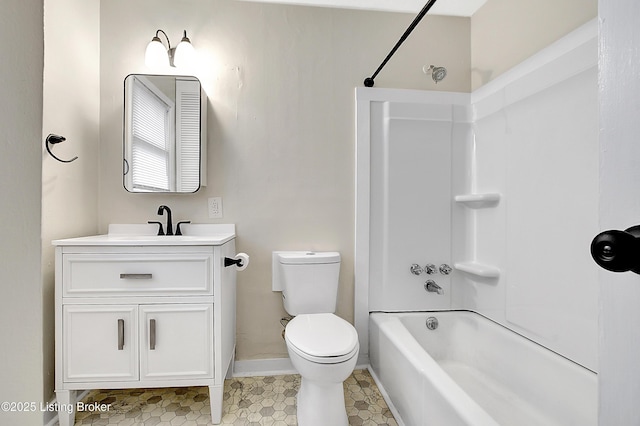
(324, 359)
(322, 338)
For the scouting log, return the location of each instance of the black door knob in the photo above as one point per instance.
(618, 251)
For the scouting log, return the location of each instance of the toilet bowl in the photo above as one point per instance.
(323, 348)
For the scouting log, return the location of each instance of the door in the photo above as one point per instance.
(176, 341)
(619, 371)
(100, 343)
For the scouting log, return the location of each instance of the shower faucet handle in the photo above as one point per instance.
(415, 269)
(430, 269)
(445, 269)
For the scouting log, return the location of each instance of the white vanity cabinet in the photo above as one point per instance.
(139, 312)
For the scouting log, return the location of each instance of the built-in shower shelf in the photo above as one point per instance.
(478, 269)
(478, 201)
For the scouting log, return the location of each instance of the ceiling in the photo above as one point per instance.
(441, 7)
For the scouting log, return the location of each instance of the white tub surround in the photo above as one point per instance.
(472, 371)
(412, 139)
(136, 310)
(406, 142)
(498, 184)
(536, 143)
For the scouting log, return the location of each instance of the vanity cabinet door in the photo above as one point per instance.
(176, 341)
(100, 343)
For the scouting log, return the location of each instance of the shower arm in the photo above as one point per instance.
(369, 81)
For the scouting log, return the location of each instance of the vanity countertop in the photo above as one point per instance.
(145, 234)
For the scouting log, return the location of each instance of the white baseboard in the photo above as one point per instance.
(263, 367)
(274, 367)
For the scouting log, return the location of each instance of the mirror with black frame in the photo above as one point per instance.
(164, 125)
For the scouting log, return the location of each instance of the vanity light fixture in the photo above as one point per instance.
(156, 56)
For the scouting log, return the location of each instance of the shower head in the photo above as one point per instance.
(437, 73)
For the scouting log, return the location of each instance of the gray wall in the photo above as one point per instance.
(71, 108)
(505, 32)
(20, 181)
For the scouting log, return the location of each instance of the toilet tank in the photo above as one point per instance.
(309, 281)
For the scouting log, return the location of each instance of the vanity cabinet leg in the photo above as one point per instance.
(215, 400)
(66, 407)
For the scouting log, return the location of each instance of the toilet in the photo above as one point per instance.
(323, 347)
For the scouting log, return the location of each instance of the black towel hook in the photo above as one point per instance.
(54, 139)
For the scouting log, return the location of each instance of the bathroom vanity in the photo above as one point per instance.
(136, 310)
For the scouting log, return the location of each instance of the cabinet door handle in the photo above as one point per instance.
(120, 334)
(152, 334)
(136, 276)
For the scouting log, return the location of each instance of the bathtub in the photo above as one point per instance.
(473, 371)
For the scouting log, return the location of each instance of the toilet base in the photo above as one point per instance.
(321, 404)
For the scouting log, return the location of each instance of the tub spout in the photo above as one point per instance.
(432, 287)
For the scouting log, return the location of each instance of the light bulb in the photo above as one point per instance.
(185, 53)
(156, 55)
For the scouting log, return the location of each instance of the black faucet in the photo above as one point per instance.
(161, 210)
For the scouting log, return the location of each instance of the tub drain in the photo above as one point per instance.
(432, 323)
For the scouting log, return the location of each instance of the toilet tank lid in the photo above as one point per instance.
(308, 257)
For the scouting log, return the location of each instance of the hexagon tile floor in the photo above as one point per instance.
(269, 400)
